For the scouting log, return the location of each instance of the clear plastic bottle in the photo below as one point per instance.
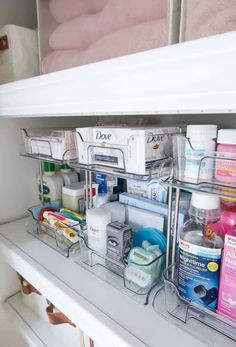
(200, 249)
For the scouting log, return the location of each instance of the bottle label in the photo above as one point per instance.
(226, 168)
(197, 166)
(46, 193)
(199, 273)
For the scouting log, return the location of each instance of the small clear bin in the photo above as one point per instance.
(49, 144)
(185, 310)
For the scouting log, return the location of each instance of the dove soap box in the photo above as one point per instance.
(133, 149)
(227, 292)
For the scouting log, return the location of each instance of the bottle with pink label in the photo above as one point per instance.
(227, 292)
(228, 216)
(226, 168)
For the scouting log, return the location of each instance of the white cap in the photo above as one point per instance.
(202, 131)
(205, 201)
(227, 136)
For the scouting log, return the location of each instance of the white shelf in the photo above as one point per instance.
(34, 330)
(109, 316)
(192, 77)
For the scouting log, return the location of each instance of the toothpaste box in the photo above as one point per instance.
(227, 292)
(153, 207)
(133, 149)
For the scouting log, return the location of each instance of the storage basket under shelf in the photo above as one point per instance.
(51, 236)
(116, 272)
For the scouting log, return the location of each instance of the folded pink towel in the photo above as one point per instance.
(81, 32)
(60, 60)
(63, 10)
(211, 17)
(138, 38)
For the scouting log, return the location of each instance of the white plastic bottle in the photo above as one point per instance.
(97, 220)
(201, 141)
(52, 184)
(69, 176)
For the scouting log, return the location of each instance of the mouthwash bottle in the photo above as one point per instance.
(200, 249)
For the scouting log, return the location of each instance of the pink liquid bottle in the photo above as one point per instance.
(228, 216)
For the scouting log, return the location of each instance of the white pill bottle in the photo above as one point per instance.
(201, 142)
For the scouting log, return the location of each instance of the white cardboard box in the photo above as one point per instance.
(134, 149)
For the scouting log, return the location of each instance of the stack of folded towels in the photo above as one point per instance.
(92, 30)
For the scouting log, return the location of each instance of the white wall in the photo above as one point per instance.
(19, 12)
(18, 175)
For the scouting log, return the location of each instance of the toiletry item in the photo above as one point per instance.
(79, 217)
(200, 248)
(73, 197)
(71, 235)
(117, 211)
(157, 191)
(51, 216)
(138, 218)
(227, 293)
(226, 169)
(118, 240)
(69, 176)
(119, 147)
(144, 266)
(154, 206)
(52, 184)
(228, 216)
(94, 193)
(97, 220)
(137, 187)
(200, 142)
(151, 235)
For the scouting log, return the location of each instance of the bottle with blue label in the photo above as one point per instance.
(200, 142)
(200, 249)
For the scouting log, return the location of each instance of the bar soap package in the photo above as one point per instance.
(119, 147)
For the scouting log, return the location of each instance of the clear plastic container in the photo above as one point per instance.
(99, 37)
(206, 18)
(58, 145)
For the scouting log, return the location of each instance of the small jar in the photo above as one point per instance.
(201, 142)
(226, 169)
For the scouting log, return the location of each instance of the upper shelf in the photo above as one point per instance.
(192, 77)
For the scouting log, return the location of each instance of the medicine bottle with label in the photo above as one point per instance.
(200, 249)
(200, 141)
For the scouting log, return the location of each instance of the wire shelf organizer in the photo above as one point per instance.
(208, 176)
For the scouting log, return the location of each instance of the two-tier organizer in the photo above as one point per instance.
(166, 297)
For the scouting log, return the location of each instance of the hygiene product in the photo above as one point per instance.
(200, 142)
(117, 211)
(120, 147)
(155, 206)
(118, 240)
(52, 184)
(138, 218)
(69, 176)
(73, 197)
(157, 191)
(200, 248)
(97, 220)
(144, 265)
(227, 293)
(51, 216)
(103, 196)
(226, 169)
